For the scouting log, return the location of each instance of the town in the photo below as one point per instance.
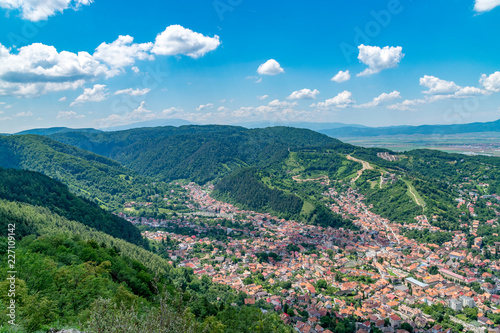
(384, 280)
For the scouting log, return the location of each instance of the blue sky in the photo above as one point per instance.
(394, 62)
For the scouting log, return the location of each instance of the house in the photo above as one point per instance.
(489, 288)
(436, 329)
(485, 321)
(395, 320)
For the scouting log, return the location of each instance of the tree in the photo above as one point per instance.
(433, 270)
(406, 326)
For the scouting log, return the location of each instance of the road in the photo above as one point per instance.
(366, 166)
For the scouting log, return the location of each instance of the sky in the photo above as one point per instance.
(99, 64)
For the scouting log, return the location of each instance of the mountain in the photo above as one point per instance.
(346, 132)
(74, 276)
(304, 125)
(197, 153)
(149, 123)
(38, 190)
(90, 175)
(54, 130)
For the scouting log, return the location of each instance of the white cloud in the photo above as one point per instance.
(437, 86)
(24, 114)
(342, 76)
(171, 111)
(37, 10)
(179, 40)
(123, 52)
(377, 59)
(270, 67)
(382, 98)
(132, 92)
(263, 97)
(304, 94)
(135, 69)
(205, 106)
(342, 100)
(69, 115)
(491, 82)
(96, 94)
(38, 69)
(222, 109)
(62, 99)
(281, 104)
(482, 6)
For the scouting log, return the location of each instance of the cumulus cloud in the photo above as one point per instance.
(438, 86)
(382, 98)
(132, 92)
(482, 6)
(270, 67)
(263, 97)
(96, 94)
(36, 10)
(38, 69)
(222, 109)
(281, 104)
(69, 115)
(304, 94)
(342, 100)
(342, 76)
(205, 106)
(123, 52)
(179, 40)
(491, 82)
(377, 59)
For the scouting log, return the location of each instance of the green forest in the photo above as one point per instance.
(71, 272)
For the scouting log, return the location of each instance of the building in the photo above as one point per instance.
(467, 301)
(416, 283)
(455, 304)
(395, 321)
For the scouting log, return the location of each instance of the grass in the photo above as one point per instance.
(415, 196)
(307, 208)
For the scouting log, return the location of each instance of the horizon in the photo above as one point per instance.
(367, 64)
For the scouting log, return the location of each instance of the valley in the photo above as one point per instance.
(306, 233)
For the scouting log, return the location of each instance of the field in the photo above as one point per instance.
(487, 143)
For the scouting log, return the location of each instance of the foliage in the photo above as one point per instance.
(38, 190)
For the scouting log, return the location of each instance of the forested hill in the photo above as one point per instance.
(86, 174)
(197, 153)
(73, 276)
(39, 190)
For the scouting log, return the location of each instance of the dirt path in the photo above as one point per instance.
(366, 166)
(297, 179)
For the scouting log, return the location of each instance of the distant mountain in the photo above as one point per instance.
(305, 125)
(346, 132)
(54, 130)
(197, 153)
(150, 123)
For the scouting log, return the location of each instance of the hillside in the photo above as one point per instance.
(39, 190)
(197, 153)
(86, 174)
(246, 188)
(72, 276)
